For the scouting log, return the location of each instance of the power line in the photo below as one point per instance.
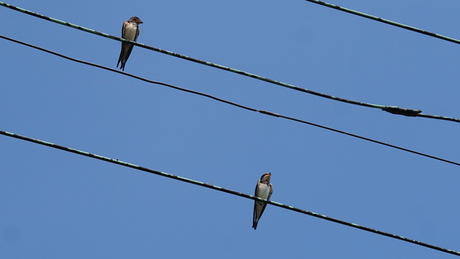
(218, 188)
(233, 103)
(378, 19)
(388, 108)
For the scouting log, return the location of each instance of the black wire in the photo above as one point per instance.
(382, 20)
(232, 103)
(218, 188)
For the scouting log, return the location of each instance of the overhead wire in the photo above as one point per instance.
(388, 108)
(221, 189)
(233, 103)
(378, 19)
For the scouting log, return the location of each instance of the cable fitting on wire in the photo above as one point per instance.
(402, 111)
(269, 113)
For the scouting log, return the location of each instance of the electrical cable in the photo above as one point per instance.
(388, 108)
(233, 103)
(378, 19)
(218, 188)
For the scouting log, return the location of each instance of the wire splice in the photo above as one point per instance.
(402, 111)
(269, 113)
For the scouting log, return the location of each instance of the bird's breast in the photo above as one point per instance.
(263, 191)
(130, 32)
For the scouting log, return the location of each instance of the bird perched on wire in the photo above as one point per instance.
(129, 31)
(264, 190)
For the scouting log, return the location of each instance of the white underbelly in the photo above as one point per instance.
(264, 191)
(130, 32)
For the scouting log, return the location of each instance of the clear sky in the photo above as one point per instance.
(55, 204)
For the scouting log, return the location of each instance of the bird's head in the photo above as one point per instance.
(135, 19)
(266, 177)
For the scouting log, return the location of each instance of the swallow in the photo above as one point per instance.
(129, 31)
(264, 190)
